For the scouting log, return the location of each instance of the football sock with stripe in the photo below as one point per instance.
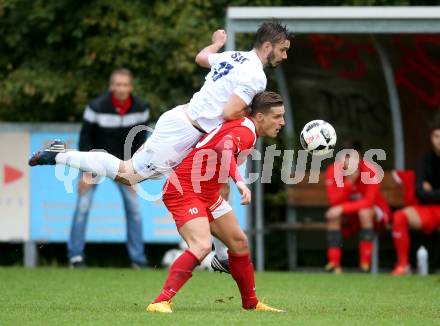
(365, 246)
(334, 242)
(100, 163)
(242, 272)
(401, 237)
(180, 272)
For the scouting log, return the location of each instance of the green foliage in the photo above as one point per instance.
(57, 55)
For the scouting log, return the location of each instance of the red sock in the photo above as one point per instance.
(334, 256)
(180, 272)
(242, 272)
(365, 251)
(401, 237)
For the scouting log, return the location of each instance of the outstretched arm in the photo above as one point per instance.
(235, 108)
(218, 40)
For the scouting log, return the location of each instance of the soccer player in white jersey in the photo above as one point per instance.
(235, 77)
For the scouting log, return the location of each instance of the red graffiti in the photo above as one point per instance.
(330, 49)
(420, 73)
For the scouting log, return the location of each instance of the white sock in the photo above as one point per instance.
(220, 249)
(100, 163)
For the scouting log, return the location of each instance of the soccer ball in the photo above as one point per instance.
(318, 137)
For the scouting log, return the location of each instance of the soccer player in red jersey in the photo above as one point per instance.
(355, 203)
(192, 195)
(425, 215)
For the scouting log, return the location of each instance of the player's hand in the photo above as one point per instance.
(245, 193)
(334, 212)
(426, 186)
(219, 37)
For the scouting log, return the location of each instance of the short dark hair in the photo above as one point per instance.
(264, 101)
(353, 144)
(273, 32)
(121, 71)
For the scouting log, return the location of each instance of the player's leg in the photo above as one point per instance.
(172, 139)
(334, 243)
(366, 236)
(96, 162)
(220, 261)
(402, 220)
(227, 229)
(197, 235)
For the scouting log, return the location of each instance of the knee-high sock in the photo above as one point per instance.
(242, 272)
(334, 242)
(180, 272)
(100, 163)
(401, 237)
(365, 246)
(220, 249)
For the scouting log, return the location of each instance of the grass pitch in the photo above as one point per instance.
(59, 296)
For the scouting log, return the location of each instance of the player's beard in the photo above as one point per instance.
(271, 59)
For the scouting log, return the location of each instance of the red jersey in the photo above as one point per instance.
(208, 166)
(354, 197)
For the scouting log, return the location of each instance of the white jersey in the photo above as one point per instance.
(232, 72)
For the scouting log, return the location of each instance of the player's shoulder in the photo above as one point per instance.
(248, 124)
(242, 122)
(366, 166)
(139, 105)
(99, 103)
(252, 65)
(333, 168)
(245, 127)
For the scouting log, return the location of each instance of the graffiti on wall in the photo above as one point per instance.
(419, 72)
(329, 50)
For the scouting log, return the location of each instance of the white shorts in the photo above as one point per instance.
(172, 139)
(220, 210)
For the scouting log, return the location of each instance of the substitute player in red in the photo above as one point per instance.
(356, 203)
(425, 215)
(192, 195)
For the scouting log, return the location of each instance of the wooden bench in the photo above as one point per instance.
(306, 194)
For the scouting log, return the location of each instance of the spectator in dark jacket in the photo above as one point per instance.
(107, 121)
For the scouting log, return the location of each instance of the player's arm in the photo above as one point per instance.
(227, 148)
(336, 194)
(238, 103)
(218, 40)
(423, 194)
(236, 141)
(368, 200)
(235, 108)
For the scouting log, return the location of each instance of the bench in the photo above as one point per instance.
(305, 194)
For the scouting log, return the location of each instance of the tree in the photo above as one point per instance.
(57, 55)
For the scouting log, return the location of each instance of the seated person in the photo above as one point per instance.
(425, 214)
(355, 204)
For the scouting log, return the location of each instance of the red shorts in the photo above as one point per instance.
(351, 224)
(185, 208)
(429, 217)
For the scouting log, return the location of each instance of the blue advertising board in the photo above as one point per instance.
(54, 195)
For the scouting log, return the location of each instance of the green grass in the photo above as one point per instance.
(57, 296)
